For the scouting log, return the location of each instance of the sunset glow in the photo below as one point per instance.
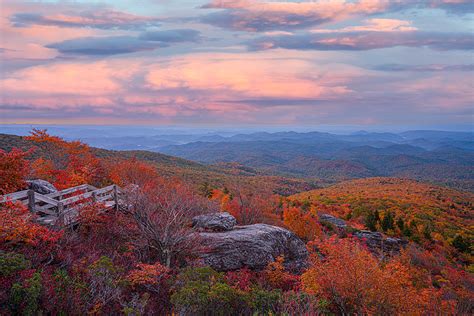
(237, 62)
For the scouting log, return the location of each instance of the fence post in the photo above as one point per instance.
(61, 211)
(116, 197)
(31, 201)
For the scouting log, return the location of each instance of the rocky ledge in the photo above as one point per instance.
(379, 244)
(214, 222)
(251, 246)
(41, 186)
(376, 242)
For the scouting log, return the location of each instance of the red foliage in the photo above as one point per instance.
(17, 228)
(277, 278)
(133, 172)
(13, 170)
(305, 224)
(240, 279)
(248, 207)
(64, 163)
(150, 277)
(356, 282)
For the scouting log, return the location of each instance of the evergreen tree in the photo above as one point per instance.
(427, 230)
(205, 189)
(377, 216)
(461, 244)
(401, 224)
(371, 221)
(387, 222)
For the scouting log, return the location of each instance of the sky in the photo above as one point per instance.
(238, 62)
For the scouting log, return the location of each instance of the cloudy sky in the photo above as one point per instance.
(237, 62)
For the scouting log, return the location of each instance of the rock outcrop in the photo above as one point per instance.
(214, 222)
(339, 223)
(252, 246)
(380, 244)
(376, 242)
(41, 186)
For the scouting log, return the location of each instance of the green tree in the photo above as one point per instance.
(387, 222)
(461, 244)
(205, 189)
(371, 221)
(25, 296)
(400, 224)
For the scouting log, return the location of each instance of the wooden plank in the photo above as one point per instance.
(46, 199)
(14, 196)
(87, 195)
(104, 190)
(105, 198)
(109, 204)
(45, 207)
(77, 198)
(47, 220)
(68, 191)
(42, 209)
(91, 187)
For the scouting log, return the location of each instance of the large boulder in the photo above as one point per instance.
(379, 244)
(41, 186)
(214, 222)
(252, 246)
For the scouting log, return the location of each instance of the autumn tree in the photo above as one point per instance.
(163, 212)
(13, 170)
(131, 172)
(277, 277)
(303, 223)
(65, 163)
(246, 205)
(357, 283)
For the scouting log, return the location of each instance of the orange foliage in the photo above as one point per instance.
(247, 206)
(147, 274)
(356, 282)
(132, 171)
(66, 164)
(13, 170)
(276, 276)
(305, 224)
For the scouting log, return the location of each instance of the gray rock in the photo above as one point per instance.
(340, 223)
(252, 246)
(215, 222)
(378, 243)
(41, 186)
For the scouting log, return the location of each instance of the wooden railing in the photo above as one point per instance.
(62, 207)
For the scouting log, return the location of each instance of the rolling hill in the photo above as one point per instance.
(445, 212)
(439, 157)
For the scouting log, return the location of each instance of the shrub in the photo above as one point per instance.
(264, 302)
(12, 262)
(25, 296)
(203, 291)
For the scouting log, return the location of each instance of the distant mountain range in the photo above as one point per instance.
(436, 156)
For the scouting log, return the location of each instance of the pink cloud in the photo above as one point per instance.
(277, 86)
(374, 25)
(247, 77)
(265, 15)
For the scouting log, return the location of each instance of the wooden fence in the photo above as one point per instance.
(62, 207)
